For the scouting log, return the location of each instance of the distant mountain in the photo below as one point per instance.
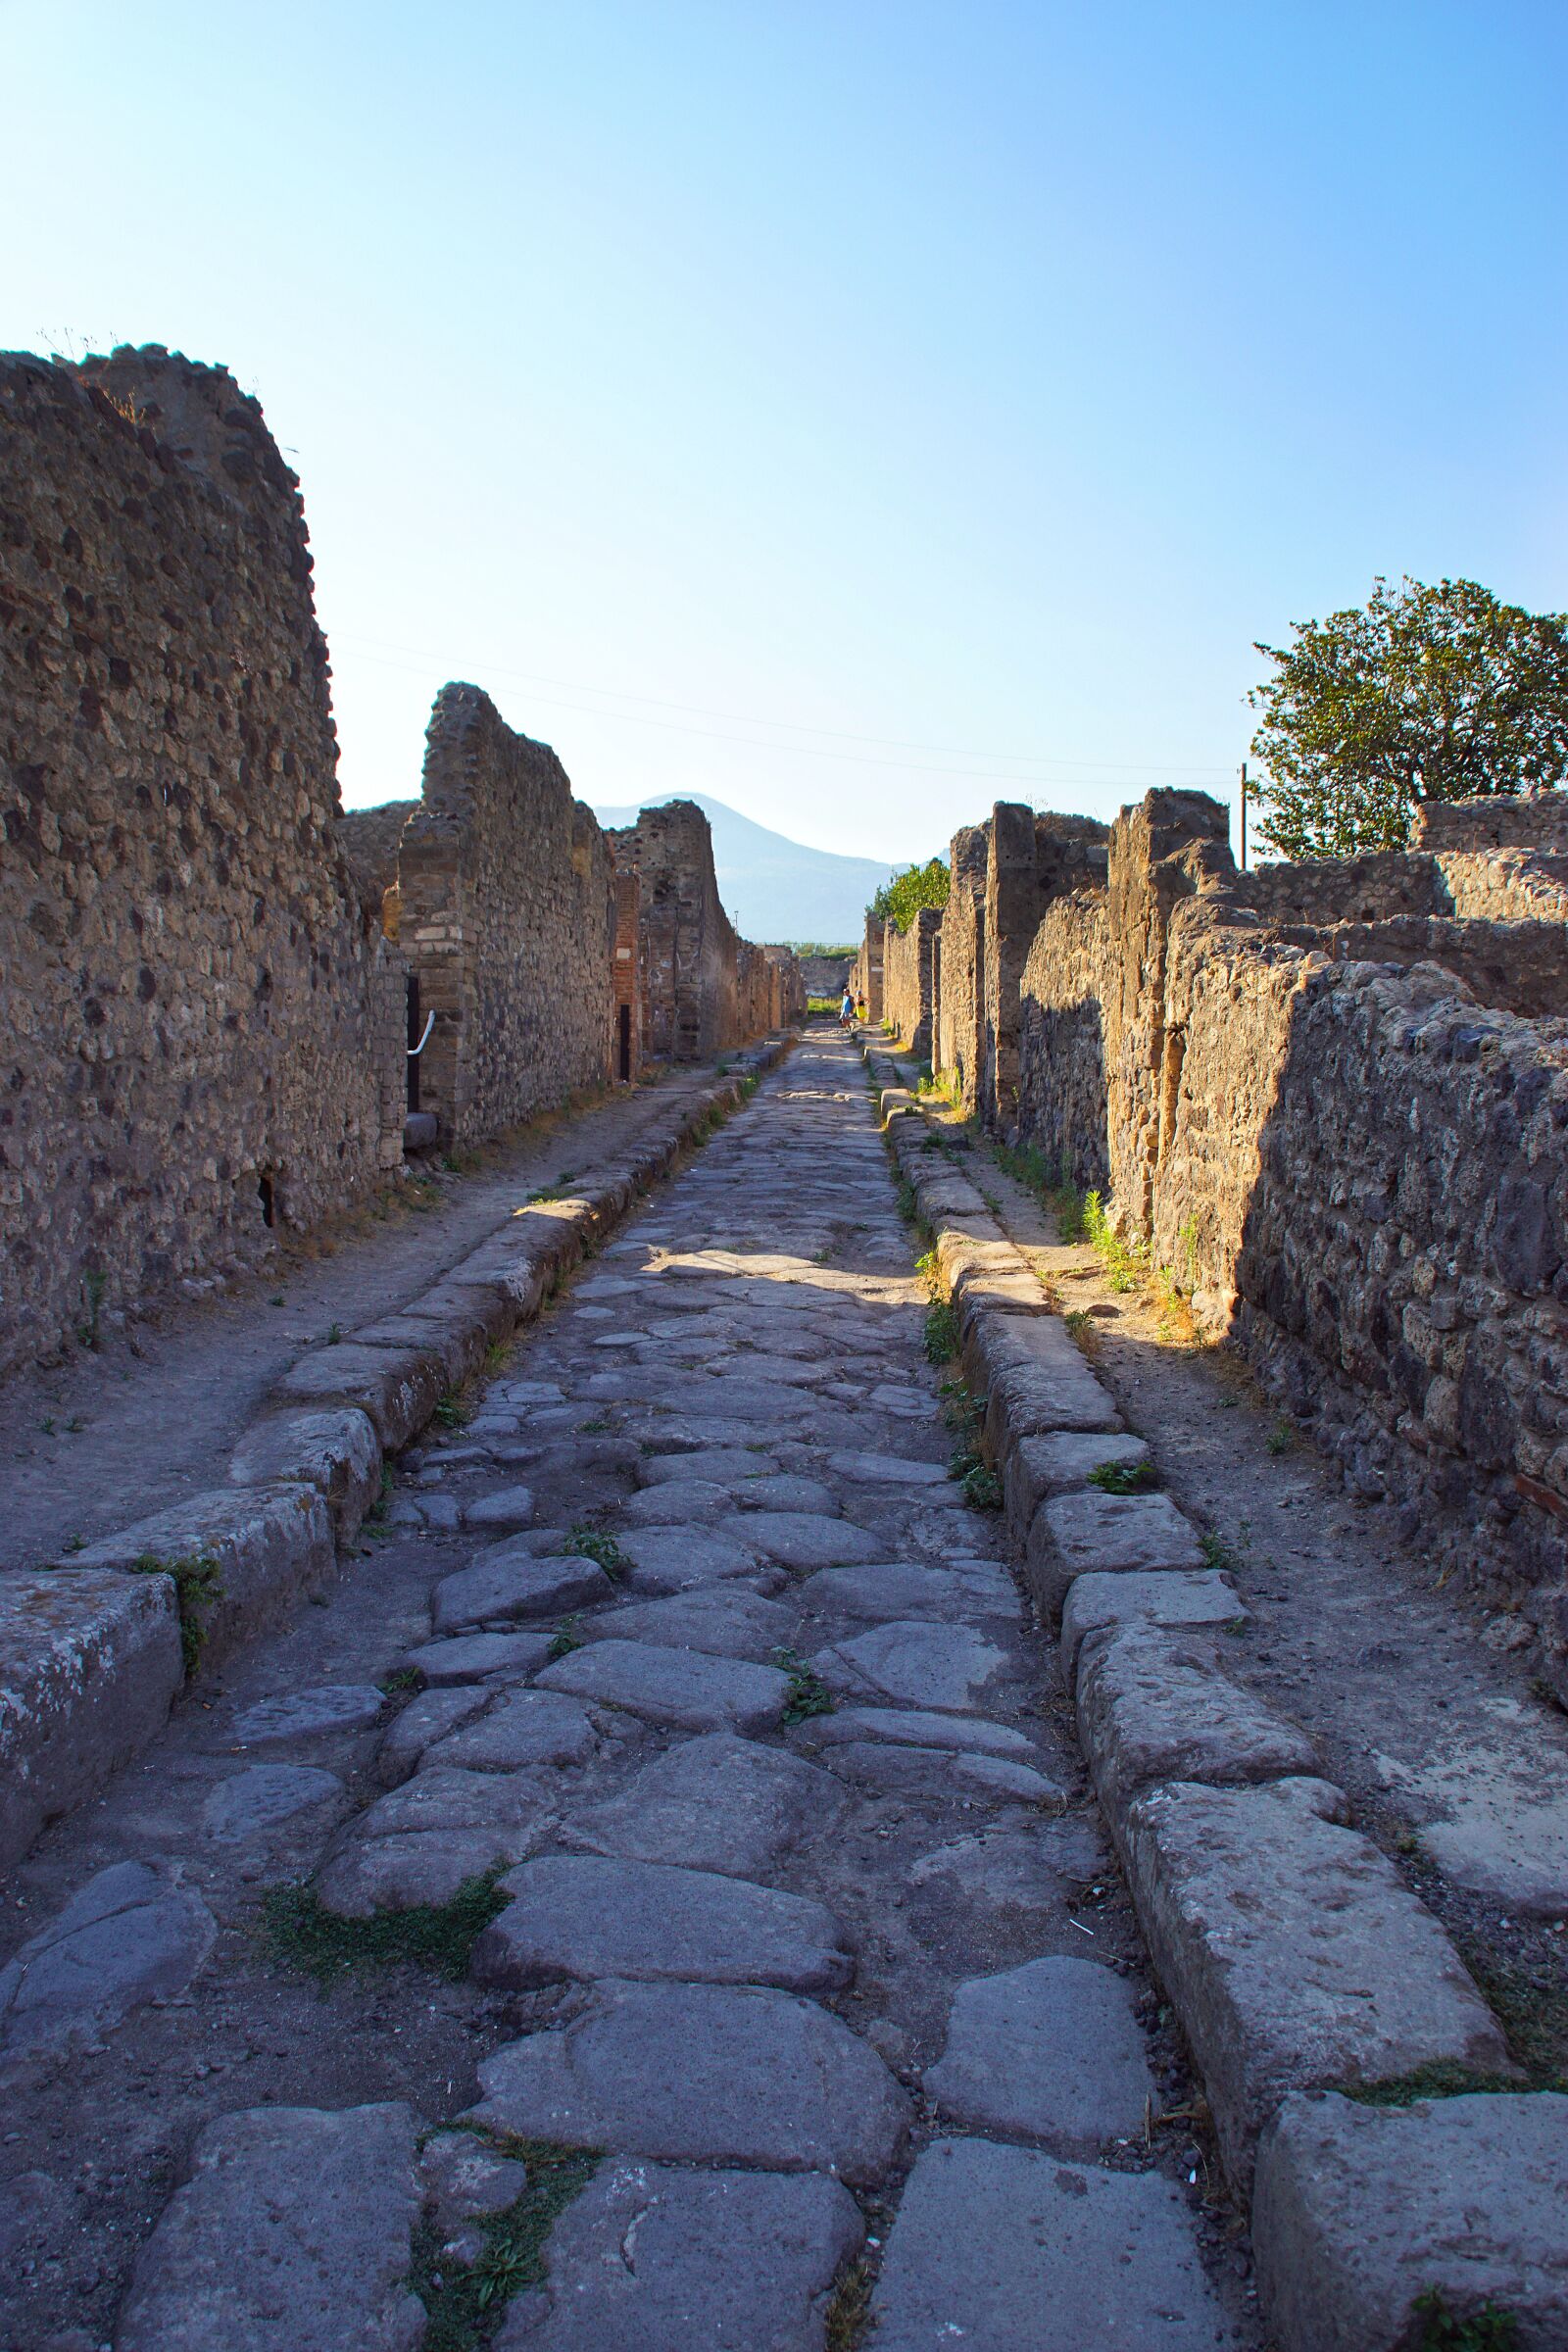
(774, 887)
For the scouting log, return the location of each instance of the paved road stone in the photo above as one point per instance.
(292, 2234)
(1049, 2051)
(587, 1917)
(918, 1665)
(804, 1538)
(309, 1714)
(728, 1621)
(917, 1726)
(249, 1804)
(506, 1585)
(1002, 2249)
(683, 1688)
(674, 1560)
(708, 2074)
(519, 1727)
(666, 2260)
(130, 1935)
(716, 1804)
(473, 1657)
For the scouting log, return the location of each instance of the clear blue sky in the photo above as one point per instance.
(858, 409)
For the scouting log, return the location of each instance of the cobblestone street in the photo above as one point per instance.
(807, 1987)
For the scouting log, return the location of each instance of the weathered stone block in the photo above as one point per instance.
(335, 1450)
(1040, 1467)
(1359, 2212)
(89, 1666)
(1294, 1955)
(1165, 1597)
(1106, 1534)
(396, 1387)
(1152, 1708)
(269, 1547)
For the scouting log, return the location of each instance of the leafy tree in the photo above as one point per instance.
(1438, 694)
(913, 887)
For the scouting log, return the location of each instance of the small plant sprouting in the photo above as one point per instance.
(941, 1333)
(808, 1694)
(466, 2301)
(196, 1588)
(1216, 1551)
(335, 1334)
(1124, 1478)
(591, 1544)
(1282, 1437)
(47, 1425)
(566, 1639)
(1081, 1328)
(451, 1411)
(1491, 2328)
(982, 1489)
(848, 2313)
(401, 1679)
(95, 1285)
(302, 1934)
(594, 1428)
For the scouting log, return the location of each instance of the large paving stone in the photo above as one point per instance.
(504, 1512)
(1049, 2051)
(901, 1589)
(474, 1657)
(1040, 1467)
(684, 1688)
(1294, 1955)
(917, 1665)
(129, 1936)
(676, 1559)
(424, 1720)
(518, 1728)
(916, 1727)
(708, 2074)
(665, 2260)
(292, 2234)
(331, 1707)
(688, 1503)
(398, 1389)
(896, 1470)
(940, 1772)
(249, 1806)
(996, 1895)
(715, 1803)
(1011, 2250)
(786, 1493)
(580, 1915)
(1074, 1535)
(1164, 1596)
(89, 1665)
(1358, 2212)
(804, 1540)
(1152, 1706)
(729, 1621)
(421, 1843)
(729, 1467)
(505, 1588)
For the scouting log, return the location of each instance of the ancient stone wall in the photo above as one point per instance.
(909, 978)
(961, 979)
(689, 953)
(507, 919)
(825, 975)
(203, 1019)
(868, 978)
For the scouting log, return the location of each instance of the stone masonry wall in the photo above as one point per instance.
(201, 1011)
(909, 978)
(961, 983)
(1346, 1138)
(689, 953)
(507, 919)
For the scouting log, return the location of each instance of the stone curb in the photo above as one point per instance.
(91, 1646)
(1296, 1960)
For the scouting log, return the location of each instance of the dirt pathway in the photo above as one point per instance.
(712, 1943)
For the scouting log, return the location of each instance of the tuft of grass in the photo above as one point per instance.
(1126, 1263)
(848, 2312)
(1490, 2329)
(808, 1694)
(596, 1428)
(591, 1544)
(467, 2303)
(94, 1287)
(982, 1489)
(1442, 2080)
(495, 1354)
(197, 1589)
(401, 1679)
(451, 1411)
(302, 1934)
(1081, 1328)
(1216, 1551)
(1282, 1437)
(566, 1637)
(941, 1333)
(1124, 1478)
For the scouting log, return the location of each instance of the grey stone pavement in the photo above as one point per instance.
(813, 1983)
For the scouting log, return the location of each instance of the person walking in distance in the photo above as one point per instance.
(847, 1009)
(859, 1010)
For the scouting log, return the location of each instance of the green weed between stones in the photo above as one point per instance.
(300, 1934)
(467, 2303)
(566, 1637)
(982, 1489)
(591, 1544)
(1216, 1551)
(1124, 1478)
(451, 1411)
(808, 1694)
(197, 1589)
(1440, 2080)
(941, 1332)
(1489, 2330)
(401, 1679)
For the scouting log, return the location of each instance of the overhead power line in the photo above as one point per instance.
(1108, 771)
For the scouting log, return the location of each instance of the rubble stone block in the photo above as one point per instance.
(337, 1451)
(1074, 1535)
(269, 1546)
(1153, 1708)
(1040, 1467)
(1164, 1596)
(398, 1388)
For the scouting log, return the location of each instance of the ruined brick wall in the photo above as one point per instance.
(203, 1025)
(369, 839)
(689, 953)
(825, 975)
(909, 978)
(507, 919)
(960, 980)
(869, 976)
(1066, 984)
(788, 987)
(626, 978)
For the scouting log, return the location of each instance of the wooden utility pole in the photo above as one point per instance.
(1244, 816)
